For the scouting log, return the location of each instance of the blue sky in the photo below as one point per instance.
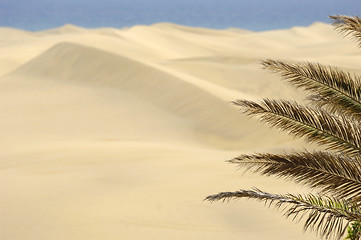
(249, 14)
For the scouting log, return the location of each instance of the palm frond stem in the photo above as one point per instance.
(336, 132)
(332, 173)
(342, 91)
(324, 214)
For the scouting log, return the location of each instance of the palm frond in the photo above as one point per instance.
(332, 173)
(327, 216)
(349, 26)
(334, 120)
(338, 90)
(336, 133)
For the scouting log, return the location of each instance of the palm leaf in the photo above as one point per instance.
(336, 89)
(332, 173)
(336, 133)
(348, 26)
(327, 216)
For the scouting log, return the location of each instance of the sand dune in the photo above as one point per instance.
(121, 133)
(14, 34)
(168, 44)
(91, 67)
(66, 29)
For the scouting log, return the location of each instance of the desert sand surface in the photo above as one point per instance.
(121, 133)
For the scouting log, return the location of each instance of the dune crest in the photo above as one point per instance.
(79, 65)
(67, 28)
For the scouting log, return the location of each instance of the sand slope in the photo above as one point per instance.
(121, 133)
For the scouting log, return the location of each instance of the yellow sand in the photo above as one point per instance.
(121, 133)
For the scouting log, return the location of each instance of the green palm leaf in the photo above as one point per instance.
(337, 133)
(327, 216)
(332, 173)
(336, 89)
